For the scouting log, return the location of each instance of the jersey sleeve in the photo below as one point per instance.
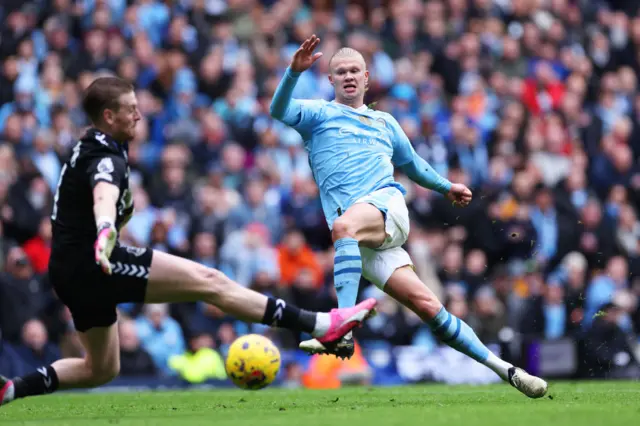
(106, 168)
(403, 151)
(303, 115)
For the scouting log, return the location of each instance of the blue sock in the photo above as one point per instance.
(347, 269)
(457, 334)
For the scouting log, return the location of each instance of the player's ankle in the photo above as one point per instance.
(323, 323)
(498, 365)
(42, 381)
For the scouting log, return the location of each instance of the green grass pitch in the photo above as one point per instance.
(571, 404)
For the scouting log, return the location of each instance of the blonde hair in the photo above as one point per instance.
(348, 52)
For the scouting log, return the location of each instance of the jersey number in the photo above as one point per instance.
(74, 158)
(54, 214)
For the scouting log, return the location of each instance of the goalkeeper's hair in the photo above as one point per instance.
(104, 93)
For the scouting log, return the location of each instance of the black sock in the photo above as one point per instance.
(279, 314)
(43, 380)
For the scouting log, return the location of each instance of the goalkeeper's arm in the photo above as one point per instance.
(105, 197)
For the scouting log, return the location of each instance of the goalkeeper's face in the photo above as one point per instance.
(123, 119)
(349, 77)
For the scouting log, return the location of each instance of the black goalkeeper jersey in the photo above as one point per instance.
(95, 158)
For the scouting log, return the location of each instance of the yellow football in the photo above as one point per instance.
(253, 362)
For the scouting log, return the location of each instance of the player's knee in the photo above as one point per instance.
(211, 282)
(426, 304)
(104, 374)
(343, 228)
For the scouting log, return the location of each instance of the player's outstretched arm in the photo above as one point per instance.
(283, 106)
(105, 197)
(421, 172)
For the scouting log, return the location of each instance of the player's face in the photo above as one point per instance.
(349, 78)
(124, 120)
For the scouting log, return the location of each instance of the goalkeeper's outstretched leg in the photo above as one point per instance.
(168, 279)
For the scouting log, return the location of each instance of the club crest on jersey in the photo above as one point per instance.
(364, 120)
(381, 121)
(105, 168)
(105, 165)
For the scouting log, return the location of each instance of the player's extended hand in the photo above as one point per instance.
(304, 56)
(459, 194)
(106, 241)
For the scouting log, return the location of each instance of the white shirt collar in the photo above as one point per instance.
(361, 108)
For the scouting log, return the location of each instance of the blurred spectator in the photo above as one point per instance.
(391, 325)
(302, 209)
(209, 318)
(160, 336)
(488, 317)
(22, 295)
(294, 257)
(608, 352)
(246, 253)
(10, 363)
(257, 210)
(546, 315)
(35, 349)
(604, 286)
(134, 361)
(201, 363)
(38, 248)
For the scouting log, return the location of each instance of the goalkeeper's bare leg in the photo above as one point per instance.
(173, 279)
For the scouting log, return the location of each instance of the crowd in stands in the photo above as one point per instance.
(532, 103)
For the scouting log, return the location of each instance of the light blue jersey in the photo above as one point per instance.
(352, 152)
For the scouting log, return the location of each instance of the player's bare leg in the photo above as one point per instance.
(363, 222)
(362, 225)
(174, 279)
(100, 365)
(405, 286)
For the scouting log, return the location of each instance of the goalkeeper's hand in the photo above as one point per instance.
(106, 241)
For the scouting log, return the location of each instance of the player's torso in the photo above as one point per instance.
(72, 216)
(350, 154)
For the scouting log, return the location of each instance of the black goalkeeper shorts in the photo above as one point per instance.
(90, 294)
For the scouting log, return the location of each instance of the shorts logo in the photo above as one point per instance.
(105, 165)
(136, 251)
